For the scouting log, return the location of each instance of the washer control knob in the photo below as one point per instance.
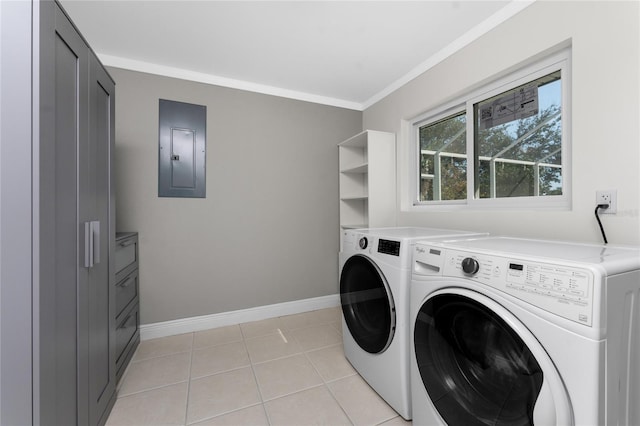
(470, 265)
(363, 243)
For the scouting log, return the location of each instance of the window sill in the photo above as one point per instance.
(555, 203)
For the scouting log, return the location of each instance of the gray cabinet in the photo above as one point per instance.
(77, 304)
(127, 303)
(72, 235)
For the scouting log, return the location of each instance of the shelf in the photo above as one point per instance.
(354, 198)
(357, 141)
(357, 226)
(359, 169)
(367, 180)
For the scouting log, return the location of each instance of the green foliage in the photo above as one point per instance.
(449, 133)
(517, 180)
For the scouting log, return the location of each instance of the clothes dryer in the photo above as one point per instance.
(522, 332)
(375, 272)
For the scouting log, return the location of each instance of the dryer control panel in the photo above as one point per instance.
(564, 290)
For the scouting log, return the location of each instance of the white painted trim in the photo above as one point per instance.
(473, 34)
(189, 325)
(151, 68)
(514, 7)
(558, 59)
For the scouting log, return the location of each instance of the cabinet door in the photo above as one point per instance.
(63, 127)
(97, 305)
(74, 333)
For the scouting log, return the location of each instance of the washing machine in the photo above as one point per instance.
(375, 272)
(508, 331)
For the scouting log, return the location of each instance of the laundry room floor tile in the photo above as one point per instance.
(285, 376)
(316, 337)
(289, 370)
(217, 359)
(260, 328)
(361, 403)
(309, 319)
(156, 372)
(216, 336)
(164, 346)
(165, 406)
(253, 416)
(311, 407)
(272, 346)
(331, 363)
(338, 327)
(323, 316)
(221, 393)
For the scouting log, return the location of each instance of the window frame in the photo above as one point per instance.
(559, 61)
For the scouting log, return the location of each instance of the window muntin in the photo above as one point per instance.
(534, 173)
(518, 139)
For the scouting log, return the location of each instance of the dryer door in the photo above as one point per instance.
(367, 304)
(481, 366)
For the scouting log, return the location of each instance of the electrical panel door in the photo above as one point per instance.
(182, 140)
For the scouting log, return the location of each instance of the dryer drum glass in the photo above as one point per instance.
(475, 368)
(367, 304)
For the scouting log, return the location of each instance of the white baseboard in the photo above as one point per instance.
(189, 325)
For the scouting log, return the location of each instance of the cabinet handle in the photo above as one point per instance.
(88, 245)
(125, 283)
(91, 243)
(126, 243)
(95, 230)
(124, 323)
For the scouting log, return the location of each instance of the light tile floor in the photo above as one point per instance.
(283, 371)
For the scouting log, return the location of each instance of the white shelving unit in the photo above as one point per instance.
(368, 180)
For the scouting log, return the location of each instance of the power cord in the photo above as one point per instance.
(603, 207)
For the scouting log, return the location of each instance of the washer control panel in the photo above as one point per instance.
(393, 251)
(389, 247)
(564, 290)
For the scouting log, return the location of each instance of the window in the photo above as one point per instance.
(519, 141)
(443, 159)
(508, 140)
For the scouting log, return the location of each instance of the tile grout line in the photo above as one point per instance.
(186, 407)
(139, 360)
(255, 377)
(325, 383)
(152, 388)
(216, 345)
(296, 391)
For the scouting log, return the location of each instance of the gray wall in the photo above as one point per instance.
(605, 43)
(267, 231)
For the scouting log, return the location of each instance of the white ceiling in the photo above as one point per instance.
(343, 53)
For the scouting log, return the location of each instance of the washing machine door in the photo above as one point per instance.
(367, 304)
(481, 366)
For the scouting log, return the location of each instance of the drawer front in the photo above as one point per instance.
(126, 255)
(126, 291)
(126, 331)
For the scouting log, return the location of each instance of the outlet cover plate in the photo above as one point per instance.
(608, 196)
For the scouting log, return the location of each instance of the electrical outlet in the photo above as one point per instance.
(609, 196)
